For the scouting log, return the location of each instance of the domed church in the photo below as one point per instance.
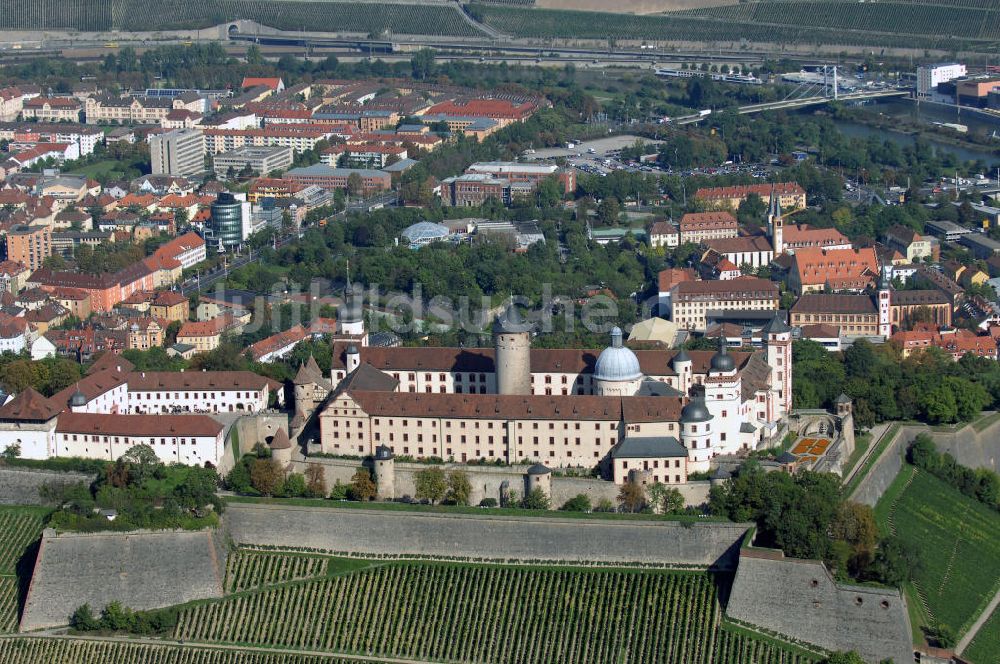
(615, 408)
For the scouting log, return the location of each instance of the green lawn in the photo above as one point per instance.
(985, 648)
(957, 538)
(861, 444)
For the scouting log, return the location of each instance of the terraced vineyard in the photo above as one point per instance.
(962, 21)
(320, 15)
(985, 648)
(768, 22)
(65, 651)
(958, 540)
(246, 570)
(19, 528)
(490, 614)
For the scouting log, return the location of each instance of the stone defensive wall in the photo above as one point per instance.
(469, 536)
(800, 600)
(141, 570)
(975, 449)
(486, 481)
(21, 486)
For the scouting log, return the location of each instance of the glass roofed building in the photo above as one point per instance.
(423, 233)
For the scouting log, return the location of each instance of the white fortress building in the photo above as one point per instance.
(664, 413)
(114, 408)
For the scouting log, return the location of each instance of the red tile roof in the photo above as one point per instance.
(138, 425)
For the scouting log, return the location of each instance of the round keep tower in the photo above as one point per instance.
(538, 477)
(512, 343)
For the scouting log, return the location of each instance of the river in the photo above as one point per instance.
(927, 113)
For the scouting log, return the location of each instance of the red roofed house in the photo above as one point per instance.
(52, 109)
(502, 111)
(803, 236)
(275, 84)
(278, 345)
(815, 270)
(954, 341)
(206, 335)
(188, 249)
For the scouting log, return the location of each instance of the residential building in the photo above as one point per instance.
(145, 333)
(29, 245)
(908, 242)
(178, 152)
(169, 306)
(52, 109)
(105, 290)
(188, 249)
(206, 335)
(663, 234)
(13, 276)
(953, 341)
(699, 226)
(692, 301)
(278, 346)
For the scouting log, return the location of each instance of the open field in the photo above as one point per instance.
(486, 613)
(985, 648)
(958, 540)
(79, 651)
(19, 529)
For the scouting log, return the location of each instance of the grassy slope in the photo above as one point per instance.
(958, 540)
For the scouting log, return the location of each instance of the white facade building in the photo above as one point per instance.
(930, 76)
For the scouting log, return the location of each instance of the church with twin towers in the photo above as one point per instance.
(663, 413)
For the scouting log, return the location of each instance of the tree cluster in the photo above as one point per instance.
(117, 618)
(927, 386)
(805, 515)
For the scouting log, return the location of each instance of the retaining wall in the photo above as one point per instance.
(142, 570)
(799, 599)
(20, 486)
(486, 481)
(975, 449)
(377, 532)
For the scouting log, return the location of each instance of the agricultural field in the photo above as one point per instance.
(958, 540)
(248, 570)
(453, 612)
(147, 15)
(790, 23)
(985, 648)
(69, 651)
(19, 529)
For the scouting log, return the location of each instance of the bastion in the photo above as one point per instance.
(141, 570)
(800, 600)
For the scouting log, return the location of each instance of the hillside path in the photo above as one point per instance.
(966, 639)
